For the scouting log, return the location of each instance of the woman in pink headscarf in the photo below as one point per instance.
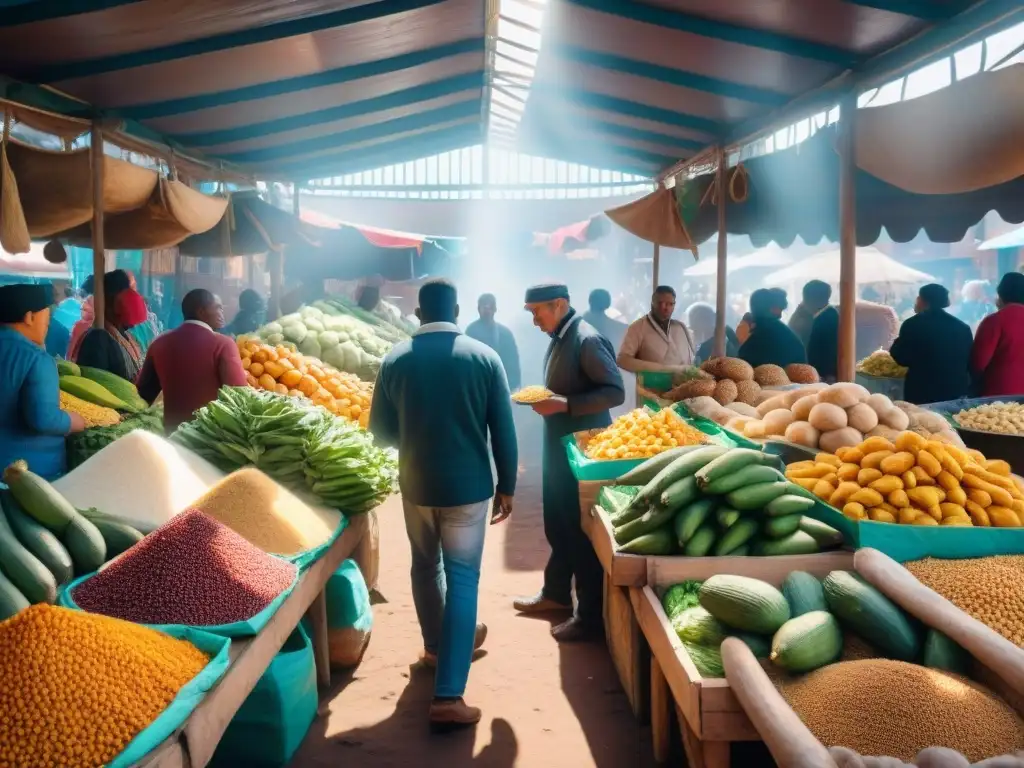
(112, 348)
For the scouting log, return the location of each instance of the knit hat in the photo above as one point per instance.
(16, 301)
(539, 294)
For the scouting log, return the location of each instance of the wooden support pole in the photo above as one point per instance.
(275, 264)
(99, 261)
(721, 276)
(846, 364)
(655, 275)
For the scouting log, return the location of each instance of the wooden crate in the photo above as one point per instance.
(622, 570)
(711, 717)
(627, 647)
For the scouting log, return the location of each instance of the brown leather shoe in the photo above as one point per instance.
(576, 631)
(430, 659)
(539, 604)
(453, 713)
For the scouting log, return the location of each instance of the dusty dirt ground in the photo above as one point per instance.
(543, 705)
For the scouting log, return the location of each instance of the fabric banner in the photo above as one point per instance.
(654, 218)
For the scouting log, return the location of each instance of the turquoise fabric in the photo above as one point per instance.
(305, 559)
(246, 628)
(188, 698)
(348, 599)
(272, 722)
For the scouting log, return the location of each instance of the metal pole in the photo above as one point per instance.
(721, 282)
(99, 264)
(846, 364)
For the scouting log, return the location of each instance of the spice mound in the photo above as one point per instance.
(192, 571)
(76, 688)
(881, 707)
(268, 515)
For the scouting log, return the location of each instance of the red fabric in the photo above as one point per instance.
(382, 238)
(189, 365)
(130, 308)
(998, 352)
(558, 240)
(80, 329)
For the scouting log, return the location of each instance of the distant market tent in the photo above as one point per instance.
(767, 257)
(873, 268)
(1012, 239)
(31, 266)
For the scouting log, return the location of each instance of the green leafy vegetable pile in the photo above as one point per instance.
(82, 445)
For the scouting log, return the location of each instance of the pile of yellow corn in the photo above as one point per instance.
(640, 434)
(914, 481)
(94, 415)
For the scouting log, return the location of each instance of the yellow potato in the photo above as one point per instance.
(847, 472)
(952, 510)
(956, 520)
(828, 458)
(930, 464)
(979, 497)
(925, 520)
(1003, 517)
(908, 515)
(842, 494)
(867, 476)
(867, 497)
(909, 442)
(923, 497)
(956, 495)
(899, 499)
(855, 511)
(886, 484)
(909, 479)
(876, 443)
(977, 513)
(880, 515)
(897, 463)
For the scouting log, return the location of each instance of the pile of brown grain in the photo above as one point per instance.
(991, 589)
(881, 707)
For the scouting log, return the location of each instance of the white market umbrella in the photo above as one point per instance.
(32, 265)
(873, 267)
(769, 256)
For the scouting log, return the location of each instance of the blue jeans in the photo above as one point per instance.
(444, 589)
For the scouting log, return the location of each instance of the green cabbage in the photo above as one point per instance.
(312, 324)
(328, 339)
(295, 331)
(310, 347)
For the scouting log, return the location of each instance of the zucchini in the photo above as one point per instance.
(680, 493)
(826, 536)
(11, 600)
(120, 388)
(68, 368)
(780, 527)
(688, 519)
(85, 544)
(681, 466)
(807, 642)
(797, 543)
(788, 504)
(614, 501)
(648, 470)
(759, 645)
(735, 536)
(654, 518)
(804, 593)
(871, 615)
(117, 536)
(659, 542)
(696, 625)
(39, 498)
(38, 540)
(701, 542)
(746, 604)
(142, 526)
(31, 577)
(756, 497)
(727, 516)
(751, 474)
(727, 464)
(942, 653)
(741, 551)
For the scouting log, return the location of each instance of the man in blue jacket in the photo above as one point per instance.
(580, 367)
(436, 397)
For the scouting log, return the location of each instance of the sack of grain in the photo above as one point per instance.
(367, 552)
(349, 616)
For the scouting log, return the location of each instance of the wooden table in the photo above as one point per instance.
(193, 744)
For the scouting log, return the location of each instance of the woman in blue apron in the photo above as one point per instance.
(580, 367)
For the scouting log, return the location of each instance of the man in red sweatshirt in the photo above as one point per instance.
(191, 363)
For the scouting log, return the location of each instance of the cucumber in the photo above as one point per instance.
(654, 518)
(681, 466)
(142, 526)
(749, 475)
(11, 600)
(741, 551)
(31, 577)
(759, 645)
(727, 464)
(727, 516)
(38, 540)
(780, 527)
(85, 544)
(804, 593)
(807, 642)
(942, 653)
(690, 518)
(680, 493)
(648, 470)
(756, 497)
(38, 498)
(746, 604)
(797, 543)
(118, 537)
(826, 536)
(871, 615)
(736, 535)
(788, 504)
(659, 542)
(701, 542)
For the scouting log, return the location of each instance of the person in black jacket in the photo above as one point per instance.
(936, 348)
(771, 341)
(823, 344)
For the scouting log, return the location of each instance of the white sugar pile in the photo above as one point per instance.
(140, 477)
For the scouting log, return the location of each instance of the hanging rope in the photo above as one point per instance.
(738, 187)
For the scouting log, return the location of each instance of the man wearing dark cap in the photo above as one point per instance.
(32, 424)
(935, 347)
(580, 368)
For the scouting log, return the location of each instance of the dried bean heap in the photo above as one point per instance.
(882, 707)
(76, 688)
(991, 589)
(193, 571)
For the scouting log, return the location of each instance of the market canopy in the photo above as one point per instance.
(1011, 239)
(656, 219)
(873, 267)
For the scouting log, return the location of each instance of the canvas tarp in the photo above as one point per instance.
(654, 218)
(959, 139)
